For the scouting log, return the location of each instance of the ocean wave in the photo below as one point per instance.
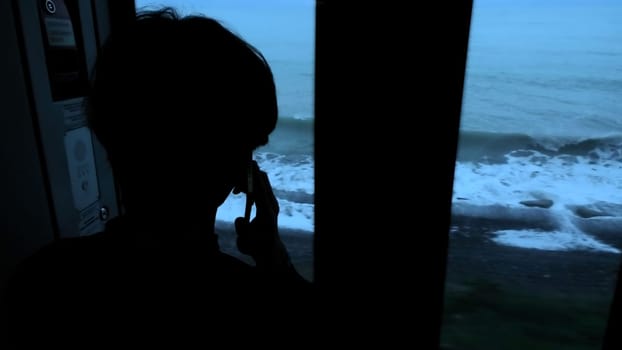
(550, 240)
(542, 228)
(289, 174)
(492, 147)
(291, 137)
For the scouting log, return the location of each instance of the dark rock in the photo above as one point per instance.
(540, 203)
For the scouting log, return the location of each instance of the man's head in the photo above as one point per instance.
(179, 104)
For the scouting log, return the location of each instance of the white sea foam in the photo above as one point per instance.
(551, 240)
(538, 177)
(494, 191)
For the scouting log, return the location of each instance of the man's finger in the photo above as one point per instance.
(264, 197)
(241, 227)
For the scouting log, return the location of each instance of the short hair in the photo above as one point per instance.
(169, 74)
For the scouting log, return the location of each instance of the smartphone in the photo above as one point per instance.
(249, 191)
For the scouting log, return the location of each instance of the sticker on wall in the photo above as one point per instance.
(73, 113)
(90, 222)
(57, 24)
(82, 172)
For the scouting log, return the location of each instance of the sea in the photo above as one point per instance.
(541, 124)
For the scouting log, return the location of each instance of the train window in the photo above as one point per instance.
(284, 32)
(535, 239)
